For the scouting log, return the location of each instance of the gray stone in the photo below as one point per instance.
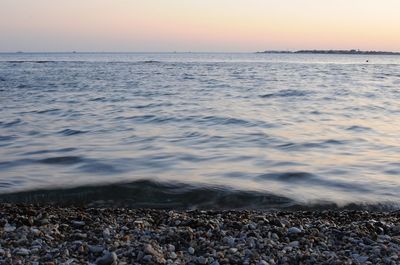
(230, 241)
(9, 228)
(78, 223)
(108, 259)
(252, 226)
(148, 249)
(191, 250)
(35, 231)
(106, 233)
(361, 259)
(294, 230)
(96, 249)
(173, 255)
(171, 248)
(233, 250)
(22, 252)
(202, 260)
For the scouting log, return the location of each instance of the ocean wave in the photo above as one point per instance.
(4, 138)
(311, 145)
(313, 180)
(6, 124)
(358, 128)
(287, 93)
(61, 160)
(207, 120)
(45, 111)
(172, 195)
(46, 151)
(70, 132)
(150, 62)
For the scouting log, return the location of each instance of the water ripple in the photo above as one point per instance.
(61, 160)
(70, 132)
(286, 93)
(201, 130)
(10, 123)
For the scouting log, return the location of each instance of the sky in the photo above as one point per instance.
(198, 25)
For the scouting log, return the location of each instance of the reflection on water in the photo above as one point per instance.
(306, 128)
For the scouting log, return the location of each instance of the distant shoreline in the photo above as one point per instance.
(347, 52)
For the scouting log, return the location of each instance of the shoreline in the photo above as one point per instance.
(330, 52)
(182, 196)
(79, 235)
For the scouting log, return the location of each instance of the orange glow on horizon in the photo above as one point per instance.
(208, 25)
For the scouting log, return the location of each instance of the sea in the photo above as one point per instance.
(200, 130)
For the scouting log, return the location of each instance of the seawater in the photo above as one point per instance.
(204, 130)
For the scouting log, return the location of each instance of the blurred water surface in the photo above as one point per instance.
(168, 129)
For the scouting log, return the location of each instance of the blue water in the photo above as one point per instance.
(192, 130)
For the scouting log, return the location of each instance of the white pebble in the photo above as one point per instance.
(294, 230)
(191, 250)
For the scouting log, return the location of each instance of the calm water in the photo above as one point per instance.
(200, 130)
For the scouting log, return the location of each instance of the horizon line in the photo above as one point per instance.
(186, 52)
(22, 52)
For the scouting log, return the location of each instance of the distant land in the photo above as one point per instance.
(357, 52)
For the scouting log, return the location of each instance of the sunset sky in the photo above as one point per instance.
(198, 25)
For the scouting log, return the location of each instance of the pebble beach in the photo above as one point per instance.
(199, 158)
(104, 236)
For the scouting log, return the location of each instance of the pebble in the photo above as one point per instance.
(233, 250)
(22, 252)
(191, 250)
(35, 231)
(9, 228)
(253, 226)
(78, 223)
(96, 249)
(202, 260)
(106, 233)
(145, 236)
(80, 235)
(148, 249)
(230, 241)
(171, 248)
(108, 259)
(359, 258)
(293, 230)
